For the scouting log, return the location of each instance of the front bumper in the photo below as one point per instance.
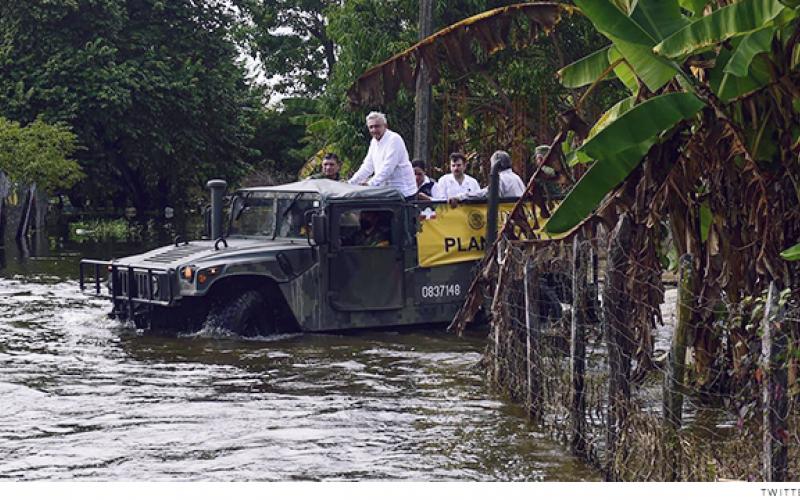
(129, 284)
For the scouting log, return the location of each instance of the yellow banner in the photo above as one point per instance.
(449, 235)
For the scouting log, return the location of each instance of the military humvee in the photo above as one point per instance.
(295, 258)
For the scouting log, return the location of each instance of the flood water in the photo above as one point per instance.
(85, 397)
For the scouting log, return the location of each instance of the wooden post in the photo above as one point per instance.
(775, 389)
(578, 345)
(616, 306)
(532, 329)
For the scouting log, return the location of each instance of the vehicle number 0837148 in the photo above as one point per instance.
(439, 291)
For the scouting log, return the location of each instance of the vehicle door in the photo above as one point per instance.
(366, 260)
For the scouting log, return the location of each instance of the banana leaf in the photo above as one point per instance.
(641, 123)
(694, 6)
(633, 42)
(736, 19)
(792, 253)
(457, 47)
(623, 71)
(585, 71)
(611, 115)
(590, 190)
(660, 18)
(751, 45)
(728, 86)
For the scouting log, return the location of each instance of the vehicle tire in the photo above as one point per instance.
(247, 315)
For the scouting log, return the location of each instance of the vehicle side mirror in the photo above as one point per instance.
(319, 229)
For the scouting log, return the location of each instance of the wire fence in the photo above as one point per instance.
(636, 372)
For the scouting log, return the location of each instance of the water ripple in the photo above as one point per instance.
(86, 398)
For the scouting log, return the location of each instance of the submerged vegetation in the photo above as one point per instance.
(104, 230)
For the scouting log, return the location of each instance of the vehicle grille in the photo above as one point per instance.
(143, 282)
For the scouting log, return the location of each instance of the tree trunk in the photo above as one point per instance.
(422, 99)
(4, 189)
(27, 213)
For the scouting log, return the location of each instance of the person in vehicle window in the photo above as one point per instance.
(425, 184)
(386, 163)
(330, 168)
(457, 183)
(375, 230)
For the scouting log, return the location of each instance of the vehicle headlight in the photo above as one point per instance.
(205, 275)
(187, 273)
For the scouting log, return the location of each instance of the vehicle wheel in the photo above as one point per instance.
(247, 315)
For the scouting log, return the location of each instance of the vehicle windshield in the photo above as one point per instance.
(253, 215)
(292, 219)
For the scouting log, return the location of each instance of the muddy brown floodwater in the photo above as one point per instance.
(84, 397)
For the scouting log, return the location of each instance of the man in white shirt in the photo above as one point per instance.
(511, 185)
(457, 184)
(387, 159)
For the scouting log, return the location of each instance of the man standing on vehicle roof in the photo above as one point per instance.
(387, 159)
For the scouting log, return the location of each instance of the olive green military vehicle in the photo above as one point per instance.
(314, 255)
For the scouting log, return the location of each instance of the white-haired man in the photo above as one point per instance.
(510, 185)
(387, 160)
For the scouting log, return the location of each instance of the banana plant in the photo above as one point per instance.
(690, 52)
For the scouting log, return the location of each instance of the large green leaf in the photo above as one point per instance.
(641, 123)
(736, 19)
(728, 86)
(660, 18)
(633, 42)
(694, 6)
(585, 71)
(792, 253)
(623, 71)
(611, 115)
(594, 185)
(751, 44)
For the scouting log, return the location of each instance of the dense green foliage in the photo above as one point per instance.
(152, 89)
(291, 41)
(475, 107)
(39, 153)
(159, 98)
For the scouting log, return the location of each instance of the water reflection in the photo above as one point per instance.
(88, 398)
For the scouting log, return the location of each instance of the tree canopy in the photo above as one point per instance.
(155, 91)
(39, 153)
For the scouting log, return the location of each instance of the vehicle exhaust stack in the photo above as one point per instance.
(217, 187)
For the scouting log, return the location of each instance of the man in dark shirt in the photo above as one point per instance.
(330, 168)
(424, 183)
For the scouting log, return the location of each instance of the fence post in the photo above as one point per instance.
(532, 330)
(672, 406)
(775, 389)
(498, 313)
(618, 338)
(578, 345)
